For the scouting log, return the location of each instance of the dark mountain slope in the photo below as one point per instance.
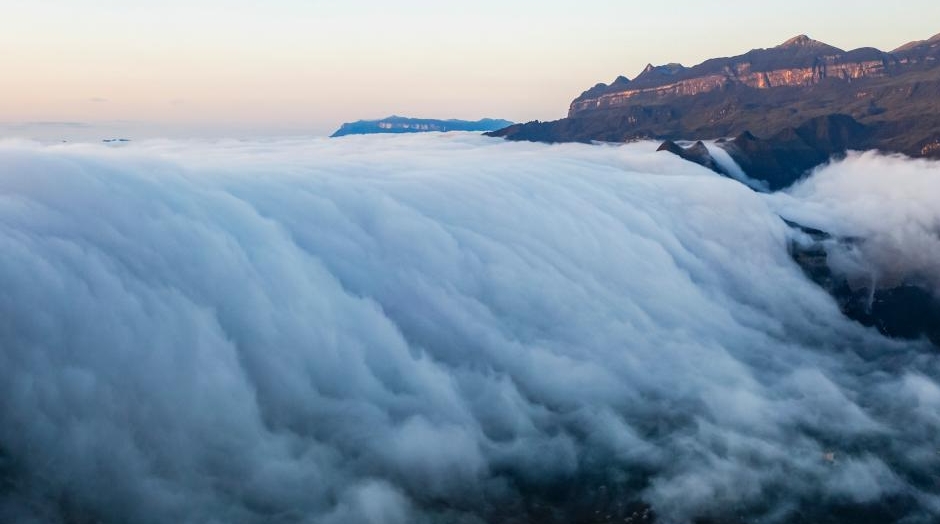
(896, 96)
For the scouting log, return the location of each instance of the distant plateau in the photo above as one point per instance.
(400, 124)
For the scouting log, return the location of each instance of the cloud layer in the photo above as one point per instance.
(445, 328)
(887, 204)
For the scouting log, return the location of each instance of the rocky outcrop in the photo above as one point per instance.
(399, 124)
(908, 309)
(785, 157)
(697, 153)
(931, 148)
(782, 159)
(768, 93)
(798, 62)
(741, 74)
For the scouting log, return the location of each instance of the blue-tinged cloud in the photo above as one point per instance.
(439, 329)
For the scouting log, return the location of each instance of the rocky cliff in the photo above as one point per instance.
(806, 102)
(798, 62)
(894, 95)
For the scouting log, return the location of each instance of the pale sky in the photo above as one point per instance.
(252, 67)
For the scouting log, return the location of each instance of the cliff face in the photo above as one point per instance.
(741, 74)
(805, 62)
(895, 95)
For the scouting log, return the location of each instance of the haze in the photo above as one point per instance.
(250, 68)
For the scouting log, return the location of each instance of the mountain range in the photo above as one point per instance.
(778, 113)
(780, 110)
(400, 124)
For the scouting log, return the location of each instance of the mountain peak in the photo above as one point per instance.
(662, 70)
(801, 41)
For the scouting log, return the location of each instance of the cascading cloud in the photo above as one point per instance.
(449, 328)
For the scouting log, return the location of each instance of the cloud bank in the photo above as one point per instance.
(887, 203)
(447, 328)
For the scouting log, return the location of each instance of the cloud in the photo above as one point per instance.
(440, 328)
(879, 200)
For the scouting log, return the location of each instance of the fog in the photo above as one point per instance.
(888, 203)
(449, 328)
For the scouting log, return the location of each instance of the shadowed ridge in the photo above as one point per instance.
(696, 153)
(785, 157)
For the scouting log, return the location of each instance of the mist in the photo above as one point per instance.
(883, 201)
(449, 328)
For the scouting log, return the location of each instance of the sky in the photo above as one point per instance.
(253, 68)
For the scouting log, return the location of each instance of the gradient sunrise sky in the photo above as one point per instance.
(244, 67)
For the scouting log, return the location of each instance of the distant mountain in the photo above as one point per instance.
(400, 124)
(785, 94)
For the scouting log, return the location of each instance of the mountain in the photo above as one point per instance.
(906, 309)
(400, 124)
(891, 98)
(782, 158)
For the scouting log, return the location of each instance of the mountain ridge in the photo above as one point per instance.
(799, 61)
(402, 124)
(895, 96)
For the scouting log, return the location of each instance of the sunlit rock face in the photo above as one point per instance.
(798, 62)
(741, 74)
(765, 92)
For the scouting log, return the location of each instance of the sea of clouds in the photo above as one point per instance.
(450, 328)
